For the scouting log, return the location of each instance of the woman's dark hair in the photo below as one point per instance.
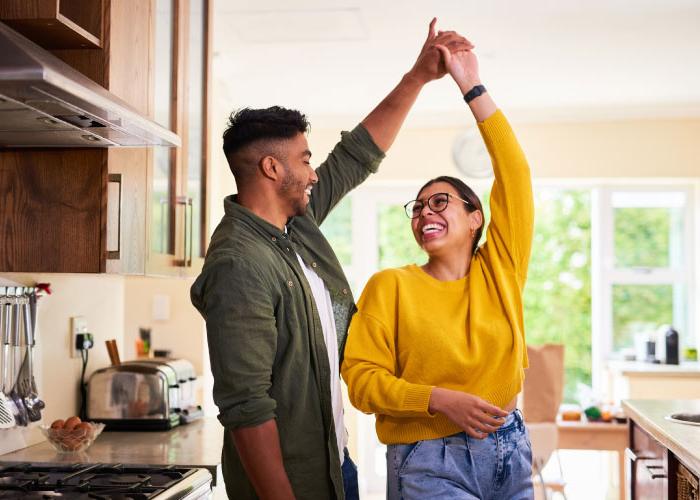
(466, 193)
(247, 126)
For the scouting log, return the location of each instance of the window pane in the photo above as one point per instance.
(397, 246)
(640, 309)
(337, 228)
(648, 237)
(558, 292)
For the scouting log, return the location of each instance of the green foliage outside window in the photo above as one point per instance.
(397, 246)
(642, 237)
(557, 298)
(640, 309)
(337, 228)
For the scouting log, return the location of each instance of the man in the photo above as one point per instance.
(276, 302)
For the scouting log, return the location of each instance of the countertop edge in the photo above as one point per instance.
(683, 454)
(197, 444)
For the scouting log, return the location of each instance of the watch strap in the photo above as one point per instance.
(475, 92)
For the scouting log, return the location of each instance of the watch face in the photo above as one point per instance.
(470, 155)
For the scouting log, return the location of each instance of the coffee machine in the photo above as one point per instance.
(668, 345)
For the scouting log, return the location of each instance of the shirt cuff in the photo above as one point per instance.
(361, 146)
(249, 414)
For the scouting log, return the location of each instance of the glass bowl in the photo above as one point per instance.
(74, 440)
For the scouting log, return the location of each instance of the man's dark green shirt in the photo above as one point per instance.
(268, 355)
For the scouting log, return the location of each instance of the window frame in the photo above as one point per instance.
(605, 274)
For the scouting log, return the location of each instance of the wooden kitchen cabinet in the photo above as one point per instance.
(59, 206)
(57, 24)
(647, 466)
(177, 201)
(95, 210)
(663, 458)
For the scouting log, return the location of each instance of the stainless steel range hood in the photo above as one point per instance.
(46, 103)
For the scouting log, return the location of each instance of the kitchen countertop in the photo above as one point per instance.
(197, 444)
(682, 439)
(639, 368)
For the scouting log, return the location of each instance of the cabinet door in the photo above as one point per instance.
(648, 466)
(178, 199)
(196, 134)
(165, 162)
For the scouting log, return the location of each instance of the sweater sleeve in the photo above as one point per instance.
(370, 364)
(352, 160)
(509, 234)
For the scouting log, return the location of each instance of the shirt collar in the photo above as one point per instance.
(237, 211)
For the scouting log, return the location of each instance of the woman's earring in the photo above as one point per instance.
(472, 230)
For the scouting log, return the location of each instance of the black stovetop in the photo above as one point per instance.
(94, 481)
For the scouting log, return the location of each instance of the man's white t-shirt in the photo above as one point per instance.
(325, 312)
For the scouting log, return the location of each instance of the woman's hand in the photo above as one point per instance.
(462, 66)
(430, 65)
(472, 414)
(464, 69)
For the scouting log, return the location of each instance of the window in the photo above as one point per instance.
(643, 267)
(557, 300)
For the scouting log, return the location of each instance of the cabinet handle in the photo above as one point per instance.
(191, 205)
(188, 232)
(651, 468)
(654, 471)
(114, 190)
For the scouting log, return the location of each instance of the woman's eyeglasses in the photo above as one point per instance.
(437, 203)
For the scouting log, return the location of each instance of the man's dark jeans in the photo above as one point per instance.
(352, 490)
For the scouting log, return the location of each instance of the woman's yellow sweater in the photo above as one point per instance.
(413, 332)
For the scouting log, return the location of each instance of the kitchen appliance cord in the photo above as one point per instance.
(83, 386)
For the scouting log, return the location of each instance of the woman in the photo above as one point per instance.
(437, 351)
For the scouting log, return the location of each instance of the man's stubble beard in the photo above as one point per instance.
(289, 188)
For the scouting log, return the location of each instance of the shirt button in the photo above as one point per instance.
(289, 249)
(290, 283)
(313, 264)
(274, 239)
(345, 291)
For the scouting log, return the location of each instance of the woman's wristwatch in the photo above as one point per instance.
(475, 92)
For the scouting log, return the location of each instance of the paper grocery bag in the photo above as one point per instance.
(543, 389)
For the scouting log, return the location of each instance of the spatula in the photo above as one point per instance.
(21, 417)
(7, 418)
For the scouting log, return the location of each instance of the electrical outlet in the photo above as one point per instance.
(78, 326)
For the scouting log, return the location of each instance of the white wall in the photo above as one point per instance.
(98, 298)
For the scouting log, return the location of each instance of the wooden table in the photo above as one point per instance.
(596, 436)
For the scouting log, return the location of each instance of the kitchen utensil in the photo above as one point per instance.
(113, 352)
(21, 417)
(32, 325)
(25, 379)
(32, 308)
(7, 418)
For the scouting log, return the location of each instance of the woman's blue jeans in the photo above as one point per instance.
(461, 467)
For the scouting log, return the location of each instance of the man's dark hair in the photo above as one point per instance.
(466, 193)
(260, 127)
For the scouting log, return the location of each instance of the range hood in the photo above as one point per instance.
(46, 103)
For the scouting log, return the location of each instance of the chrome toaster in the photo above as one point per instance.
(144, 394)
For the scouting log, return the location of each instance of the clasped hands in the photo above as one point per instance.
(443, 52)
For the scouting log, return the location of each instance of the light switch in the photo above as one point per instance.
(161, 307)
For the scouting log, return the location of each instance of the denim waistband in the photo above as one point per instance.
(513, 420)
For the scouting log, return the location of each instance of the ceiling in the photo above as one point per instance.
(542, 60)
